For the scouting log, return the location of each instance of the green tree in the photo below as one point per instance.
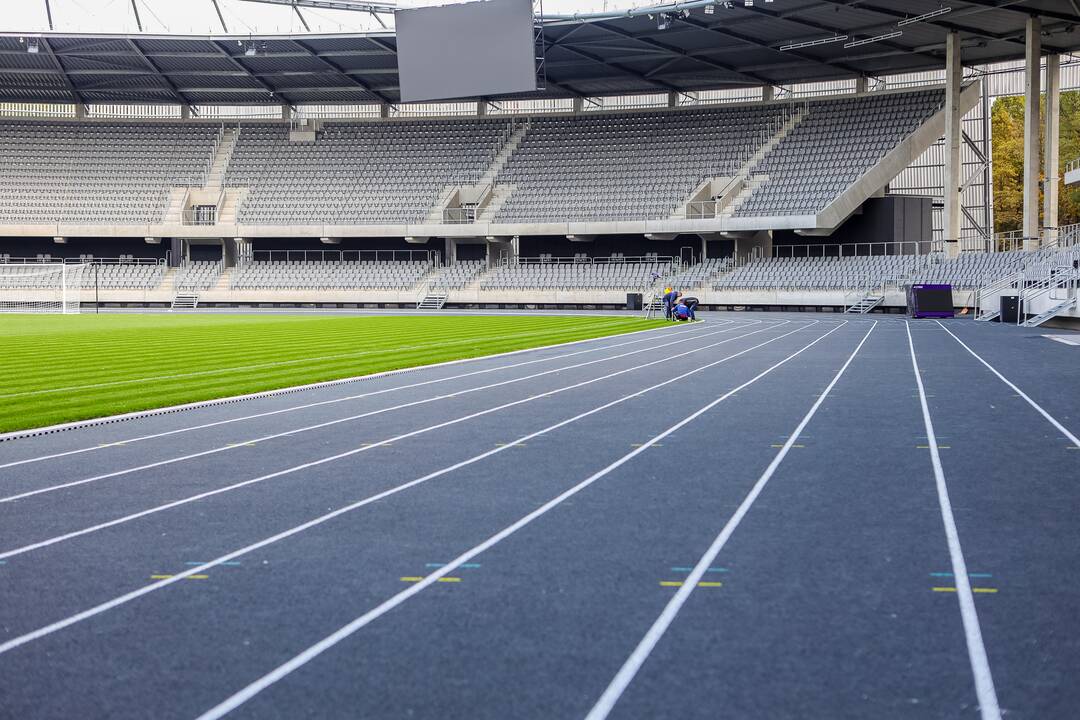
(1007, 120)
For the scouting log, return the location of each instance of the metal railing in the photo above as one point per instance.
(701, 210)
(614, 260)
(200, 215)
(1073, 165)
(910, 247)
(460, 216)
(300, 256)
(85, 260)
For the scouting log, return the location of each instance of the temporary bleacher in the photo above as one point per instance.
(329, 275)
(359, 173)
(549, 273)
(98, 172)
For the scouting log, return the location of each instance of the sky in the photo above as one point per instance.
(198, 16)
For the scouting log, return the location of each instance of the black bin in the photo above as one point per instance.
(633, 301)
(1010, 309)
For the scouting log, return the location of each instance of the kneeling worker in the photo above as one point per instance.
(682, 313)
(691, 305)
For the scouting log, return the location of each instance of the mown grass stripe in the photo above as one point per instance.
(131, 360)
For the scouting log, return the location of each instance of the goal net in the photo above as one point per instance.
(40, 287)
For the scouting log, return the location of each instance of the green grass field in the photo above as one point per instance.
(64, 368)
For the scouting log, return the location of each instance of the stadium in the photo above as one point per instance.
(353, 371)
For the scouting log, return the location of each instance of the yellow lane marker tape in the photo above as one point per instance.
(679, 583)
(414, 578)
(974, 589)
(189, 577)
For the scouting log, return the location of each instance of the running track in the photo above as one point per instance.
(759, 516)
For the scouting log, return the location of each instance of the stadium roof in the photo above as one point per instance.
(728, 47)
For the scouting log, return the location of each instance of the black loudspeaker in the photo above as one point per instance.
(1010, 309)
(633, 301)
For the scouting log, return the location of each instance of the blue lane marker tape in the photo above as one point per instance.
(688, 569)
(974, 575)
(3, 562)
(230, 563)
(468, 566)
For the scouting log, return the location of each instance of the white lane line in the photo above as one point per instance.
(637, 658)
(330, 423)
(375, 613)
(349, 453)
(1049, 418)
(980, 664)
(128, 597)
(262, 366)
(334, 401)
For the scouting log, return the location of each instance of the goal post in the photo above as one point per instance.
(41, 287)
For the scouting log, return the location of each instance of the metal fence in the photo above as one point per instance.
(324, 256)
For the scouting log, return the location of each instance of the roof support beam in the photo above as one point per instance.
(945, 24)
(75, 96)
(220, 17)
(1026, 11)
(48, 12)
(238, 65)
(296, 9)
(620, 68)
(342, 72)
(138, 20)
(157, 71)
(674, 51)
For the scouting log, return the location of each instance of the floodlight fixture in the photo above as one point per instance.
(32, 46)
(924, 16)
(876, 38)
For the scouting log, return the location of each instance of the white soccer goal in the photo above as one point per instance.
(40, 287)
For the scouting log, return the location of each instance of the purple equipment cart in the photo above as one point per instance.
(930, 301)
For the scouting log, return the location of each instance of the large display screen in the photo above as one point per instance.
(475, 49)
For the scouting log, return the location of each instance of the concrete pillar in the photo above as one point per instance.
(481, 108)
(1032, 91)
(954, 75)
(384, 110)
(768, 92)
(579, 104)
(185, 112)
(80, 111)
(861, 84)
(672, 99)
(451, 251)
(1050, 155)
(229, 251)
(286, 111)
